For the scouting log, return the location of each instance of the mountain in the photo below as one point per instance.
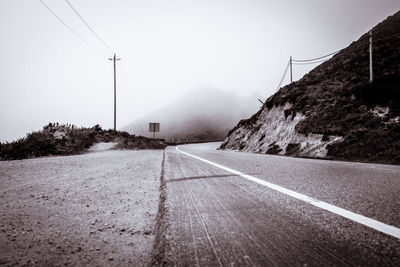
(201, 114)
(334, 111)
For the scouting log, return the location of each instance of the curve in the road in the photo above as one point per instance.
(374, 224)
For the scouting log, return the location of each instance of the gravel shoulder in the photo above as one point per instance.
(93, 209)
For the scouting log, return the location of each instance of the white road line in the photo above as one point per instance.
(377, 225)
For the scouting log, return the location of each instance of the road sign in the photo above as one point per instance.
(154, 127)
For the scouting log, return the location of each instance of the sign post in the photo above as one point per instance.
(154, 127)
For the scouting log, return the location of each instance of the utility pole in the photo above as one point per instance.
(371, 74)
(291, 73)
(115, 59)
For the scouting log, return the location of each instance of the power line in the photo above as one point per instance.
(307, 60)
(363, 41)
(359, 43)
(90, 28)
(69, 28)
(309, 63)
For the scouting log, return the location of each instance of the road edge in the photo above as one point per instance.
(159, 244)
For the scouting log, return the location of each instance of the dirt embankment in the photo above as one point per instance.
(93, 209)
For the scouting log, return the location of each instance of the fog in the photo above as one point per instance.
(168, 48)
(201, 114)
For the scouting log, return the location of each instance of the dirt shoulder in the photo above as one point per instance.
(93, 209)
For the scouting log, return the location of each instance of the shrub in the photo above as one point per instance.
(67, 139)
(273, 149)
(293, 149)
(325, 138)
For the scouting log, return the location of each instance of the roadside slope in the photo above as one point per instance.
(334, 111)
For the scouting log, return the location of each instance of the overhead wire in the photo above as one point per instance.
(69, 28)
(309, 63)
(313, 59)
(87, 24)
(360, 42)
(363, 45)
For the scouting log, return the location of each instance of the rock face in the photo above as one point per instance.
(334, 111)
(275, 133)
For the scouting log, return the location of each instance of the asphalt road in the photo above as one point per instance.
(218, 218)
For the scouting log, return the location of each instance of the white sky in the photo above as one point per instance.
(167, 48)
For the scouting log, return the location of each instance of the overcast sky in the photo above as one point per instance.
(167, 48)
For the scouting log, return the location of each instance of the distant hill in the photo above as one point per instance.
(202, 114)
(334, 111)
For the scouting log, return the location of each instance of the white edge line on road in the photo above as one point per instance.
(377, 225)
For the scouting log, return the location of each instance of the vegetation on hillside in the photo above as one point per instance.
(67, 139)
(338, 99)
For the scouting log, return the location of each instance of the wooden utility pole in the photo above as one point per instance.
(115, 90)
(371, 74)
(291, 73)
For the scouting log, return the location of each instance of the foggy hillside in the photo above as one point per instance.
(334, 111)
(202, 114)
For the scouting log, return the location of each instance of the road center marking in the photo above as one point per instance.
(377, 225)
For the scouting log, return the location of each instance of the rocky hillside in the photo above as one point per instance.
(202, 114)
(334, 111)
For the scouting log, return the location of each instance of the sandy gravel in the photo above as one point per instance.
(93, 209)
(102, 146)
